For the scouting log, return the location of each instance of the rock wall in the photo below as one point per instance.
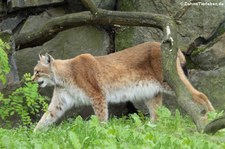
(64, 45)
(212, 83)
(196, 21)
(211, 56)
(209, 77)
(22, 16)
(12, 78)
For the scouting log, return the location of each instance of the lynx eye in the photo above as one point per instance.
(37, 72)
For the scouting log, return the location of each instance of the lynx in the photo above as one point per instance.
(131, 74)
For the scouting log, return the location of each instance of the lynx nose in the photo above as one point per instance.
(33, 78)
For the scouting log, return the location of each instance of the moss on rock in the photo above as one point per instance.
(6, 38)
(127, 5)
(212, 84)
(124, 38)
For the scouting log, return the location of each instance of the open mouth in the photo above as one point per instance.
(40, 83)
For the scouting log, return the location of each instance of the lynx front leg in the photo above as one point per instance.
(153, 104)
(45, 121)
(100, 107)
(55, 110)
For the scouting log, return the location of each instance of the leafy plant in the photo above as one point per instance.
(4, 65)
(25, 102)
(171, 131)
(215, 114)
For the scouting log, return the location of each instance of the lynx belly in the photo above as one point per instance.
(134, 91)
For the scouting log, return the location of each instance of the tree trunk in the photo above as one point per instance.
(184, 97)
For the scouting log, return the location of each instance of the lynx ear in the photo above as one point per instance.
(48, 59)
(42, 58)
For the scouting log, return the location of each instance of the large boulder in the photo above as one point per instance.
(67, 44)
(198, 21)
(16, 4)
(190, 25)
(211, 56)
(105, 4)
(2, 8)
(212, 83)
(130, 36)
(10, 24)
(34, 21)
(76, 6)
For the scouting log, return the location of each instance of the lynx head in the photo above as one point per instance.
(43, 71)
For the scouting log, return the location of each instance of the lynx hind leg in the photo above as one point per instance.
(153, 104)
(203, 100)
(100, 107)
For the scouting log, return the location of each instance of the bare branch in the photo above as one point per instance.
(57, 24)
(90, 6)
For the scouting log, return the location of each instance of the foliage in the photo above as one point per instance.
(214, 114)
(171, 131)
(25, 102)
(4, 65)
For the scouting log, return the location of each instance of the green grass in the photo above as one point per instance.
(135, 132)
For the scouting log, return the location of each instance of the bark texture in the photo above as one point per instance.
(215, 125)
(184, 97)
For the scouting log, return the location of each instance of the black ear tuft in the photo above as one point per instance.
(39, 55)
